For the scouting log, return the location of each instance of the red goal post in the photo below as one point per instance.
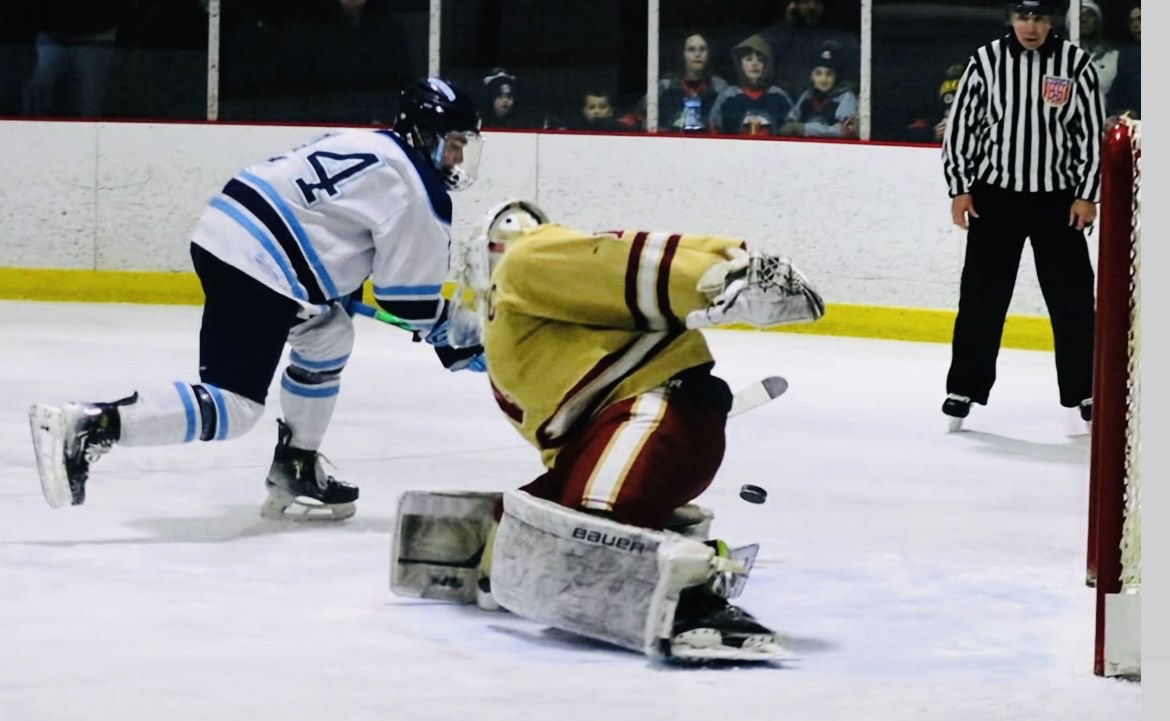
(1114, 547)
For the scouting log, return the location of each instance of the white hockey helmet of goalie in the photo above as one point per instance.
(474, 259)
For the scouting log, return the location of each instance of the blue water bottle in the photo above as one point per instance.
(692, 115)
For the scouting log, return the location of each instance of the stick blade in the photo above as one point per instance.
(757, 394)
(775, 386)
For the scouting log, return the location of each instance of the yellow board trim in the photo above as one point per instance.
(182, 288)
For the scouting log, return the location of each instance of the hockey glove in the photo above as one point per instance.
(768, 291)
(458, 359)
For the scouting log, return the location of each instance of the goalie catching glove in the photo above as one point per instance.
(758, 289)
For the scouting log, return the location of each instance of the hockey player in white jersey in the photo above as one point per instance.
(280, 252)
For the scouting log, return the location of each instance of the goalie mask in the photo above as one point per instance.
(472, 263)
(441, 122)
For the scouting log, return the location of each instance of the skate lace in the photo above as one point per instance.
(95, 447)
(321, 474)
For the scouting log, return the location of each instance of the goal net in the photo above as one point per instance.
(1115, 488)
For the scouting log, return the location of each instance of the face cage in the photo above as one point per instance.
(463, 175)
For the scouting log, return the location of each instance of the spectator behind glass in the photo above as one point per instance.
(1126, 93)
(74, 50)
(685, 98)
(796, 40)
(596, 114)
(16, 53)
(499, 108)
(755, 106)
(826, 109)
(931, 130)
(1105, 55)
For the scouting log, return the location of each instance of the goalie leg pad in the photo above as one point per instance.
(438, 542)
(592, 576)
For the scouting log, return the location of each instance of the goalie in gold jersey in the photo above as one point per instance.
(594, 354)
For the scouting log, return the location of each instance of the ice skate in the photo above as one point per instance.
(299, 488)
(956, 407)
(708, 628)
(66, 440)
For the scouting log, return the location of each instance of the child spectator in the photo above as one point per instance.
(755, 106)
(500, 108)
(596, 113)
(923, 130)
(826, 109)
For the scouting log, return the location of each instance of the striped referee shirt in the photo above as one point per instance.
(1026, 120)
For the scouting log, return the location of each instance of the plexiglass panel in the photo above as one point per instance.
(544, 64)
(103, 58)
(328, 61)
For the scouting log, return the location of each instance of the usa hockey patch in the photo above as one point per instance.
(1056, 90)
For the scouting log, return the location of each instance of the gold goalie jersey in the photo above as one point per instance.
(577, 321)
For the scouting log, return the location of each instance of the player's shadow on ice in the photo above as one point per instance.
(1074, 451)
(235, 523)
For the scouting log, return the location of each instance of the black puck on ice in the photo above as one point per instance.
(752, 494)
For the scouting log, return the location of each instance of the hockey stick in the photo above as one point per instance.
(757, 394)
(746, 399)
(378, 314)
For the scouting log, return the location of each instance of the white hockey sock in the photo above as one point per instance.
(180, 412)
(307, 406)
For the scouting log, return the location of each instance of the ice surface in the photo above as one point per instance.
(919, 574)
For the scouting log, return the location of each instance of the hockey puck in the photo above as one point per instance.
(753, 494)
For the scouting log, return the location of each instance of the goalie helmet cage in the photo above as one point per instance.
(1114, 532)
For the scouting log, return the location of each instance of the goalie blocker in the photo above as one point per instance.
(659, 593)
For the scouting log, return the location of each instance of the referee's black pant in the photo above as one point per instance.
(995, 241)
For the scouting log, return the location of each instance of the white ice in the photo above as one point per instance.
(918, 574)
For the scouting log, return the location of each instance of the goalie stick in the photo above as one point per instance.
(757, 394)
(745, 399)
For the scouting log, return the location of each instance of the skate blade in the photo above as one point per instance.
(302, 509)
(706, 644)
(954, 425)
(48, 437)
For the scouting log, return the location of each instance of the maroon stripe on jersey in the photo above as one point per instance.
(664, 283)
(635, 262)
(509, 408)
(546, 439)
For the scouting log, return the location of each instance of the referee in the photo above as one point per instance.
(1021, 155)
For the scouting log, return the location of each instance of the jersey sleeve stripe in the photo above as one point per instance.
(649, 267)
(632, 267)
(391, 291)
(265, 241)
(673, 323)
(302, 237)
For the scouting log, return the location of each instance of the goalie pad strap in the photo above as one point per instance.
(592, 576)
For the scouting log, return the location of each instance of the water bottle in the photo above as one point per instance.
(692, 114)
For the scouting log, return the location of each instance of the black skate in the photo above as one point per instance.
(708, 628)
(957, 407)
(299, 488)
(67, 439)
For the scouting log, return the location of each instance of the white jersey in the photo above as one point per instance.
(315, 223)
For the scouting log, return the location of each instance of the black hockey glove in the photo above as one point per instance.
(457, 359)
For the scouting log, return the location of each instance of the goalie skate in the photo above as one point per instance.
(708, 628)
(299, 487)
